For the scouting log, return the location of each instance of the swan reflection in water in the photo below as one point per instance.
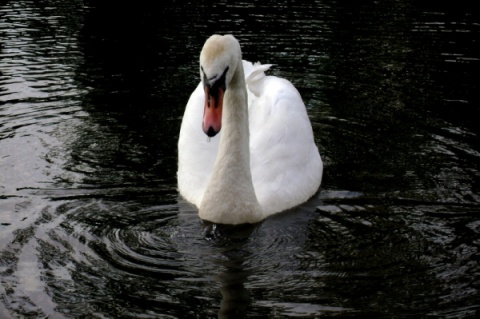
(236, 299)
(225, 254)
(234, 259)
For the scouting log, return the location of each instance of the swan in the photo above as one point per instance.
(264, 160)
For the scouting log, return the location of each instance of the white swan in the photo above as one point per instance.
(264, 160)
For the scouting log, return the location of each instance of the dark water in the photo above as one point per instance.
(92, 226)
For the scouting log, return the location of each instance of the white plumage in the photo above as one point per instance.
(284, 162)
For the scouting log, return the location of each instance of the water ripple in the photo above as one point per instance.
(401, 243)
(37, 74)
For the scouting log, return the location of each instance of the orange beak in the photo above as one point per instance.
(212, 111)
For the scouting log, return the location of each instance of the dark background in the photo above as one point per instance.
(91, 224)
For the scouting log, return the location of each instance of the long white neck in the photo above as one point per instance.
(230, 197)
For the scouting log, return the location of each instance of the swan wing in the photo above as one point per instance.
(285, 162)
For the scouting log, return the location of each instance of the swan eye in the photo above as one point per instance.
(216, 82)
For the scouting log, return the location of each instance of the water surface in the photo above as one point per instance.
(91, 223)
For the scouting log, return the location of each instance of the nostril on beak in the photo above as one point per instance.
(211, 132)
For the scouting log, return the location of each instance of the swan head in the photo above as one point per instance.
(218, 61)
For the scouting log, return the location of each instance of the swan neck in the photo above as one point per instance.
(230, 197)
(235, 117)
(234, 148)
